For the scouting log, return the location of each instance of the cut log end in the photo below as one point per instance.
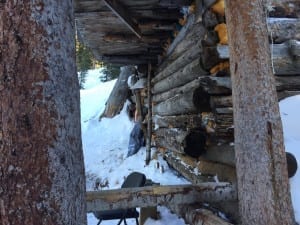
(195, 143)
(201, 100)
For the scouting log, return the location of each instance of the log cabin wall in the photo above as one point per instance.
(192, 104)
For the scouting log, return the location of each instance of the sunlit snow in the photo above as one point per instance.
(105, 146)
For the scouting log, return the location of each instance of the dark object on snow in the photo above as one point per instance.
(134, 179)
(136, 140)
(291, 164)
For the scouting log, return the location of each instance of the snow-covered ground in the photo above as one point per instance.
(105, 147)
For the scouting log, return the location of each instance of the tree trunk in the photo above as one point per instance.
(41, 160)
(119, 93)
(263, 186)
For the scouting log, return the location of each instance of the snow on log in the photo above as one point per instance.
(125, 198)
(197, 169)
(119, 93)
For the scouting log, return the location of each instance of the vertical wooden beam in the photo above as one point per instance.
(149, 125)
(120, 11)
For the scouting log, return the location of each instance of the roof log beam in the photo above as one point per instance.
(120, 11)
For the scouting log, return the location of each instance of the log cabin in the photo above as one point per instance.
(188, 95)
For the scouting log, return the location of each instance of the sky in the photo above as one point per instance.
(105, 146)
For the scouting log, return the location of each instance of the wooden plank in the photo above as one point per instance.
(123, 14)
(125, 198)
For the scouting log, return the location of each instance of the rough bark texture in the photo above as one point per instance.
(41, 163)
(263, 186)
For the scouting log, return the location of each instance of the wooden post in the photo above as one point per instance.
(149, 125)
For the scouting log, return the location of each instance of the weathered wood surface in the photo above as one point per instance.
(285, 94)
(284, 57)
(191, 141)
(188, 73)
(171, 137)
(122, 12)
(283, 29)
(125, 198)
(191, 101)
(203, 217)
(191, 168)
(223, 153)
(181, 61)
(285, 8)
(229, 208)
(193, 37)
(119, 93)
(187, 170)
(180, 121)
(222, 85)
(181, 35)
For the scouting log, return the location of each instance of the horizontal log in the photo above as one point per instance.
(181, 61)
(285, 94)
(284, 8)
(283, 29)
(195, 100)
(203, 217)
(220, 101)
(223, 153)
(200, 166)
(222, 85)
(180, 121)
(229, 208)
(191, 142)
(186, 170)
(188, 73)
(181, 35)
(284, 62)
(114, 38)
(192, 38)
(159, 195)
(127, 59)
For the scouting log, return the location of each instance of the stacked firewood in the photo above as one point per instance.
(192, 104)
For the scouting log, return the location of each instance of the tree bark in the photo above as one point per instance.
(263, 186)
(195, 169)
(119, 93)
(41, 161)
